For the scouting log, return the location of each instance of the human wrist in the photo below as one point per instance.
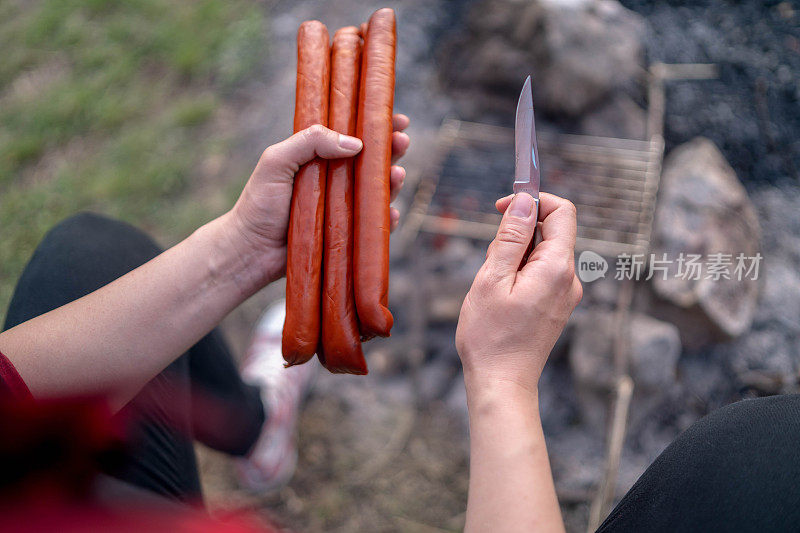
(490, 392)
(239, 259)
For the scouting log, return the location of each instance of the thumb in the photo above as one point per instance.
(513, 236)
(305, 145)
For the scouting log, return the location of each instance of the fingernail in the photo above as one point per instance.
(521, 205)
(349, 143)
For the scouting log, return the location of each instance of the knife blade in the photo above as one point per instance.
(526, 170)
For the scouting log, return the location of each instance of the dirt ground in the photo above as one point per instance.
(370, 459)
(401, 471)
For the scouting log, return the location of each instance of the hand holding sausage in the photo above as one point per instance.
(512, 315)
(260, 218)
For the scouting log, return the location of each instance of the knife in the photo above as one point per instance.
(526, 171)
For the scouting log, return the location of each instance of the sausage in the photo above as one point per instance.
(341, 343)
(304, 249)
(372, 166)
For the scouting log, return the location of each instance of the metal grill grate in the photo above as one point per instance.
(612, 182)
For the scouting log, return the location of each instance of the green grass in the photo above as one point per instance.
(107, 106)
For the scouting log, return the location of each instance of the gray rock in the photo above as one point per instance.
(603, 292)
(590, 354)
(578, 52)
(654, 352)
(655, 349)
(704, 209)
(619, 117)
(766, 359)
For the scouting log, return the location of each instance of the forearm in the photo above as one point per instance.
(511, 486)
(119, 337)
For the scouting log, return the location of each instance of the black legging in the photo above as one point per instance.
(86, 252)
(737, 469)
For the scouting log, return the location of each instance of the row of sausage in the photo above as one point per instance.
(337, 272)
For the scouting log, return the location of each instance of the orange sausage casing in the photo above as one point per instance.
(341, 343)
(372, 167)
(304, 250)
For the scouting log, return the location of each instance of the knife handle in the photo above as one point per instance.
(537, 235)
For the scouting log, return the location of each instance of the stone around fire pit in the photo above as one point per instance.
(619, 117)
(704, 209)
(590, 354)
(655, 348)
(579, 52)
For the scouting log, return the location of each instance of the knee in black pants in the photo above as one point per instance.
(737, 469)
(78, 256)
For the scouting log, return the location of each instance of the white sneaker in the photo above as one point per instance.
(272, 461)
